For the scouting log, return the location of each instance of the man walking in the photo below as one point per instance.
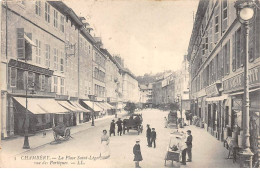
(148, 135)
(119, 126)
(153, 138)
(112, 127)
(189, 146)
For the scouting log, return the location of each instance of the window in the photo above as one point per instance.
(13, 77)
(47, 55)
(226, 56)
(62, 23)
(47, 12)
(224, 9)
(61, 62)
(55, 84)
(31, 80)
(55, 63)
(238, 48)
(38, 51)
(61, 85)
(38, 8)
(216, 24)
(42, 82)
(55, 21)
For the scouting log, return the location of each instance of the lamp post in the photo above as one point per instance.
(93, 112)
(180, 102)
(245, 10)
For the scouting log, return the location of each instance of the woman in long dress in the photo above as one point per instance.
(105, 151)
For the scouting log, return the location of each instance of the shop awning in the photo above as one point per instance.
(69, 106)
(42, 105)
(76, 104)
(94, 106)
(110, 106)
(101, 105)
(217, 98)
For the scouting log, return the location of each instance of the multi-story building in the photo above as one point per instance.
(168, 93)
(146, 95)
(113, 81)
(157, 92)
(182, 85)
(216, 53)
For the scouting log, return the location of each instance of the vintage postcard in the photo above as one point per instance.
(130, 84)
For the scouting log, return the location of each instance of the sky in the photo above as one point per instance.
(150, 35)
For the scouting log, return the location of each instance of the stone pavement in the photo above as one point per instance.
(13, 146)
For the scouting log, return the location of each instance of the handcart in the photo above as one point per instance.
(176, 145)
(61, 132)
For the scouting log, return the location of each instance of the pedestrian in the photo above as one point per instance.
(112, 127)
(119, 126)
(153, 138)
(105, 151)
(148, 135)
(189, 146)
(137, 154)
(165, 122)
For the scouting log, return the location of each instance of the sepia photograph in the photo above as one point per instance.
(130, 84)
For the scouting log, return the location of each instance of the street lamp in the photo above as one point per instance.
(180, 101)
(246, 10)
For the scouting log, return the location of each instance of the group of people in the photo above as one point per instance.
(151, 136)
(119, 124)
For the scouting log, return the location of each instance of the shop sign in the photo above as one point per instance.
(212, 90)
(237, 82)
(29, 67)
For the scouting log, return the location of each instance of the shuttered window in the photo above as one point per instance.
(20, 79)
(62, 23)
(42, 79)
(234, 52)
(20, 43)
(31, 80)
(55, 84)
(47, 12)
(55, 56)
(224, 15)
(47, 55)
(238, 48)
(13, 76)
(216, 26)
(38, 8)
(226, 56)
(38, 51)
(55, 18)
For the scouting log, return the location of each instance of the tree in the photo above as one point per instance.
(130, 107)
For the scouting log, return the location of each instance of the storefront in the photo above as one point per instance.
(92, 106)
(84, 116)
(43, 113)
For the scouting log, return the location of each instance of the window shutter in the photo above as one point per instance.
(216, 34)
(242, 45)
(257, 36)
(28, 48)
(220, 63)
(224, 20)
(251, 42)
(234, 52)
(20, 43)
(228, 58)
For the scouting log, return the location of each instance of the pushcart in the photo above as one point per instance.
(176, 145)
(61, 132)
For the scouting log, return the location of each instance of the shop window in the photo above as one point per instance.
(47, 12)
(31, 80)
(37, 82)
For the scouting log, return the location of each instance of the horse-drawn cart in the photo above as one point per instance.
(134, 122)
(61, 132)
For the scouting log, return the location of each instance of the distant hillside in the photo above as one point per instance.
(150, 78)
